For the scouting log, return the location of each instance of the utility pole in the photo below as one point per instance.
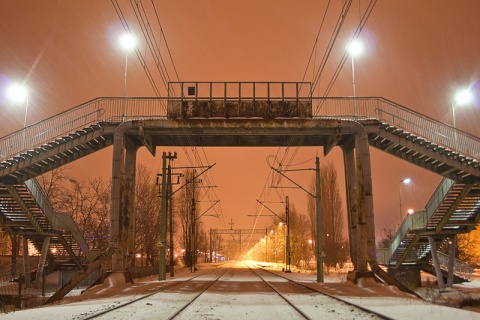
(318, 207)
(170, 217)
(162, 267)
(287, 244)
(192, 242)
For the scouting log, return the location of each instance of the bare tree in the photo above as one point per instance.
(332, 216)
(147, 213)
(387, 236)
(299, 236)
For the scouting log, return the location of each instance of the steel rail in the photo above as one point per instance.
(281, 295)
(326, 294)
(142, 297)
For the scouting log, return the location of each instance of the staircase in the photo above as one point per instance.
(25, 210)
(453, 208)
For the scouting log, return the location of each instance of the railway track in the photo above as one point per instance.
(130, 307)
(236, 291)
(358, 312)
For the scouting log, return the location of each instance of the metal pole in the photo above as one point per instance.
(287, 225)
(125, 88)
(163, 222)
(170, 217)
(318, 206)
(354, 93)
(400, 201)
(192, 243)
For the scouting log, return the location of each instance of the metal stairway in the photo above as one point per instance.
(425, 153)
(53, 154)
(453, 208)
(25, 210)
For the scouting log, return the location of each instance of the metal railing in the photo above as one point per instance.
(400, 117)
(87, 114)
(122, 109)
(459, 266)
(418, 220)
(239, 91)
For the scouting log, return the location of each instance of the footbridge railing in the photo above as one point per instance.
(108, 109)
(396, 115)
(117, 109)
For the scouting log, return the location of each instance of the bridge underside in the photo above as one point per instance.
(241, 133)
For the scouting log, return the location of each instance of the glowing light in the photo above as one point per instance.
(17, 93)
(406, 181)
(463, 97)
(411, 211)
(355, 48)
(127, 41)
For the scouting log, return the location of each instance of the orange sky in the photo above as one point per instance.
(417, 54)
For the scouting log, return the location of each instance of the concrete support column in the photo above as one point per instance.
(116, 202)
(41, 262)
(436, 262)
(366, 221)
(26, 262)
(122, 198)
(451, 260)
(128, 202)
(352, 215)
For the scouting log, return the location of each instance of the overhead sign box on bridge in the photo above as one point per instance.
(265, 100)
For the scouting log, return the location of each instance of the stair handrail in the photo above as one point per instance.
(118, 109)
(419, 219)
(59, 221)
(98, 110)
(460, 266)
(400, 117)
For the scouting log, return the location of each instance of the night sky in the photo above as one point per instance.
(417, 54)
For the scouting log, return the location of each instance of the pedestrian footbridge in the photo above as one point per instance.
(236, 115)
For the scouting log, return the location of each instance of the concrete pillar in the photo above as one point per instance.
(436, 262)
(26, 262)
(352, 215)
(366, 221)
(41, 262)
(128, 203)
(122, 197)
(115, 201)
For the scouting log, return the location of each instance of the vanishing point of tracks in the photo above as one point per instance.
(235, 291)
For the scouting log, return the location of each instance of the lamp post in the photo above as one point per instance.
(462, 98)
(355, 49)
(403, 181)
(18, 93)
(127, 42)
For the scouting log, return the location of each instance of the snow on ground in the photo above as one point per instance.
(232, 300)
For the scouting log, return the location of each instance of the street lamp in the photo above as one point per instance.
(18, 93)
(355, 49)
(127, 42)
(461, 98)
(403, 181)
